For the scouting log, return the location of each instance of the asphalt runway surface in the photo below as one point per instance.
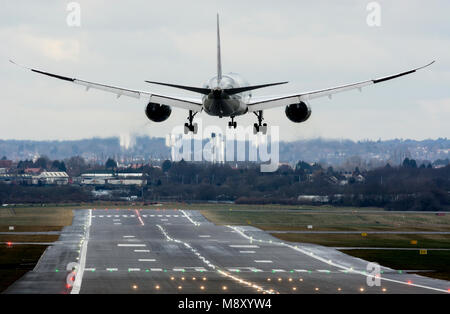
(177, 251)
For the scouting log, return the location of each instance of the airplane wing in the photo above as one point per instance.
(286, 100)
(193, 104)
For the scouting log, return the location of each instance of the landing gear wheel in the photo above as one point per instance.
(264, 129)
(255, 128)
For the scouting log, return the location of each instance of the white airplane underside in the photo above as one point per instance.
(227, 95)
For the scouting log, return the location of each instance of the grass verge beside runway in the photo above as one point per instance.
(331, 221)
(371, 240)
(436, 261)
(16, 260)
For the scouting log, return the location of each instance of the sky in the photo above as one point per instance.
(311, 44)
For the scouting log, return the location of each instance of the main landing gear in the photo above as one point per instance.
(232, 123)
(191, 127)
(259, 127)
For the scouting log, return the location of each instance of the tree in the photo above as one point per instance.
(166, 165)
(110, 164)
(4, 158)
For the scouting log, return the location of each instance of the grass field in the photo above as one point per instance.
(371, 240)
(332, 220)
(15, 261)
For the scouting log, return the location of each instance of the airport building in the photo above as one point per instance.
(113, 179)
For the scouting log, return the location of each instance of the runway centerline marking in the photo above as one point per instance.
(244, 246)
(130, 245)
(247, 252)
(263, 261)
(142, 251)
(146, 260)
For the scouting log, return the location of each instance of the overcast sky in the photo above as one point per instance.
(311, 44)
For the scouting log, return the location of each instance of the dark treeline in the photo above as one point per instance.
(406, 187)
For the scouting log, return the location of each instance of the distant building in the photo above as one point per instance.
(33, 170)
(6, 164)
(51, 177)
(118, 179)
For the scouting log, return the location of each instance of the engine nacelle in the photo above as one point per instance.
(157, 112)
(298, 112)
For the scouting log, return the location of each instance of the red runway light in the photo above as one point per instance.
(9, 243)
(409, 282)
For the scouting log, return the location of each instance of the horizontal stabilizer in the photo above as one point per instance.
(237, 90)
(204, 91)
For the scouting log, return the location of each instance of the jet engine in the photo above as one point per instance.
(157, 112)
(298, 112)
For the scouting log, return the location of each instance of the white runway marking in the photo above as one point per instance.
(300, 270)
(323, 270)
(79, 276)
(147, 260)
(128, 236)
(134, 269)
(163, 219)
(204, 236)
(111, 269)
(145, 216)
(89, 269)
(244, 246)
(130, 245)
(125, 216)
(117, 223)
(142, 251)
(278, 270)
(263, 261)
(178, 269)
(155, 269)
(247, 252)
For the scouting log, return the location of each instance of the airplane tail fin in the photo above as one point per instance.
(219, 57)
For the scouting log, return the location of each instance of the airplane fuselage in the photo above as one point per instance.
(219, 103)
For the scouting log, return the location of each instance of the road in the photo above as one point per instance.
(176, 251)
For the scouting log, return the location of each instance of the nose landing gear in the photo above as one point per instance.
(191, 127)
(260, 127)
(232, 123)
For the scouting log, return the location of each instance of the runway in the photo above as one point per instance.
(176, 251)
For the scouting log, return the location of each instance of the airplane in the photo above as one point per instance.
(226, 95)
